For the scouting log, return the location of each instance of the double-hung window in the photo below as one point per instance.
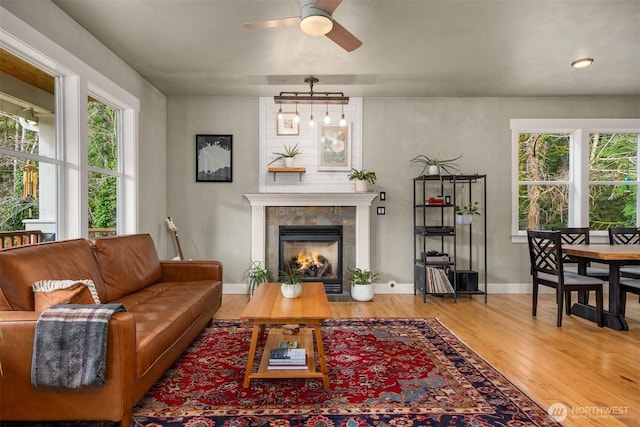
(574, 173)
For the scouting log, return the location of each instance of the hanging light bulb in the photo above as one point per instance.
(296, 118)
(327, 117)
(343, 122)
(311, 122)
(280, 112)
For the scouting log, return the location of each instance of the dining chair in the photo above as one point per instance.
(545, 251)
(579, 236)
(626, 236)
(627, 285)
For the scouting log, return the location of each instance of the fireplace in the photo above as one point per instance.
(315, 251)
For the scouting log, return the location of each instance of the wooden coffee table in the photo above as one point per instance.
(269, 307)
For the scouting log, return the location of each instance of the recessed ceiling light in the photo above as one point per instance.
(582, 62)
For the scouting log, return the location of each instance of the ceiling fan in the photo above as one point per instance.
(315, 19)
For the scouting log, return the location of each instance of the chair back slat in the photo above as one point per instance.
(624, 236)
(573, 236)
(545, 250)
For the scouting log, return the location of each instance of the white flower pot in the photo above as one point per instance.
(433, 170)
(362, 186)
(362, 292)
(291, 290)
(463, 219)
(288, 162)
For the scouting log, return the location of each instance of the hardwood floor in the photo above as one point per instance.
(594, 371)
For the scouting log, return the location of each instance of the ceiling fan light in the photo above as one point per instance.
(316, 25)
(582, 62)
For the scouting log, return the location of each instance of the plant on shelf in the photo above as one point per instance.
(362, 283)
(362, 178)
(291, 282)
(287, 155)
(469, 209)
(257, 274)
(362, 175)
(465, 213)
(436, 166)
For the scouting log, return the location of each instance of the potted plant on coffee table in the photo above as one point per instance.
(257, 274)
(362, 283)
(362, 178)
(287, 155)
(291, 282)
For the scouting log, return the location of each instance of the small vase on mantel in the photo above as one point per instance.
(362, 186)
(291, 290)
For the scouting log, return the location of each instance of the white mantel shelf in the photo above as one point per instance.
(362, 202)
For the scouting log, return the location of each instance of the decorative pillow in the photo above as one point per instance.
(51, 292)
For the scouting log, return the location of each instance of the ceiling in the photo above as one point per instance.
(410, 47)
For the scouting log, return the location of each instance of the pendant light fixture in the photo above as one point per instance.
(311, 97)
(327, 117)
(296, 118)
(311, 122)
(280, 112)
(342, 122)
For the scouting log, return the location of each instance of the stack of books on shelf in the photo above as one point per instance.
(287, 358)
(437, 281)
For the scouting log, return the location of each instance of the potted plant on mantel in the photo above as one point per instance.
(257, 274)
(291, 286)
(436, 166)
(465, 213)
(362, 283)
(362, 178)
(287, 155)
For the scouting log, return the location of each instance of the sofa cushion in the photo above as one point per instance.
(127, 263)
(22, 266)
(51, 292)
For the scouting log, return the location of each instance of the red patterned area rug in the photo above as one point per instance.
(383, 372)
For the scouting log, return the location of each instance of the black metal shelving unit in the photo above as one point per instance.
(436, 233)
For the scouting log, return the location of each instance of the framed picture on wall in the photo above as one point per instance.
(334, 148)
(214, 154)
(286, 125)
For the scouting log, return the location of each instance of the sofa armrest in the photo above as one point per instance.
(176, 271)
(22, 401)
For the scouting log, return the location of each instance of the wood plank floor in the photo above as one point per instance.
(593, 371)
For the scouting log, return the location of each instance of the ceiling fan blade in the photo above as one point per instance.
(327, 5)
(343, 37)
(273, 23)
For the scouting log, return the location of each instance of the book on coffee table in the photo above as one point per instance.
(287, 356)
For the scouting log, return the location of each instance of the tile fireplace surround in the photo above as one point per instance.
(361, 201)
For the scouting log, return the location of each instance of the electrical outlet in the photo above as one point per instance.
(380, 210)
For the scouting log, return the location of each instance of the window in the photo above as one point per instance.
(65, 171)
(574, 173)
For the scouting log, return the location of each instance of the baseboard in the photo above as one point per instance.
(393, 287)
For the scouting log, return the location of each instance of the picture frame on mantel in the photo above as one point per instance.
(334, 148)
(286, 126)
(214, 158)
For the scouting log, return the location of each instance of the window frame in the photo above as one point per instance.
(578, 184)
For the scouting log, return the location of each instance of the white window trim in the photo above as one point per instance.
(580, 129)
(78, 79)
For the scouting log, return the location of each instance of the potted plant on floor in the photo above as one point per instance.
(257, 274)
(436, 166)
(287, 155)
(362, 178)
(291, 282)
(362, 283)
(465, 213)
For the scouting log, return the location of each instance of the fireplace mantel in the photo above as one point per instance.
(362, 202)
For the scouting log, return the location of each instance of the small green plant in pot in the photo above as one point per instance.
(287, 155)
(257, 274)
(362, 280)
(435, 165)
(362, 178)
(291, 280)
(465, 213)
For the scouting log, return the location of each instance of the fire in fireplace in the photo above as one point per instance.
(315, 251)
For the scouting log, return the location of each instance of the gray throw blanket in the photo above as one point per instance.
(70, 345)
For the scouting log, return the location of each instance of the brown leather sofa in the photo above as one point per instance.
(168, 304)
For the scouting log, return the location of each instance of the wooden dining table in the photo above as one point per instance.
(615, 256)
